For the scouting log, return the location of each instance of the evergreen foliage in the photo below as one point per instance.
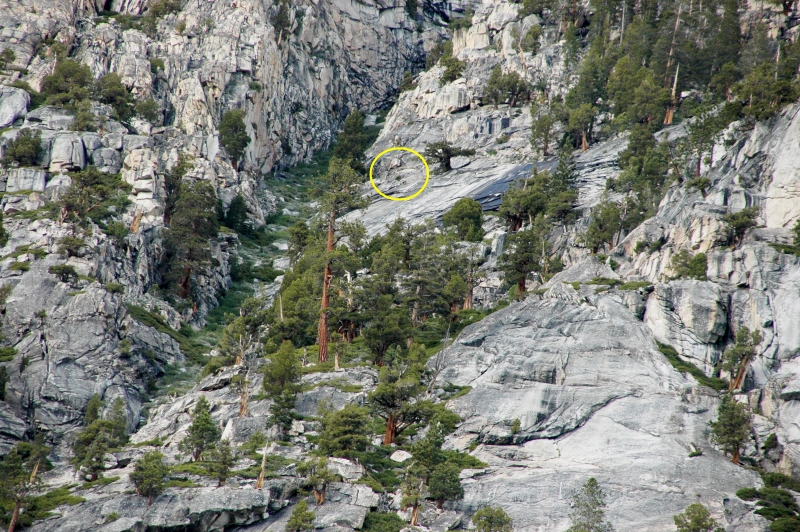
(98, 436)
(110, 90)
(352, 141)
(302, 520)
(444, 484)
(506, 88)
(696, 519)
(221, 458)
(588, 509)
(149, 474)
(24, 150)
(20, 479)
(739, 222)
(192, 223)
(731, 430)
(318, 476)
(203, 432)
(442, 152)
(686, 265)
(93, 196)
(492, 519)
(281, 378)
(466, 218)
(527, 251)
(233, 135)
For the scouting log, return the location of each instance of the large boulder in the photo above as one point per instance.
(13, 105)
(67, 152)
(25, 179)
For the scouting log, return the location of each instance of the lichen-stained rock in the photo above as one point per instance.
(593, 397)
(18, 179)
(690, 316)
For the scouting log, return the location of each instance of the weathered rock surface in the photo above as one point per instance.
(594, 398)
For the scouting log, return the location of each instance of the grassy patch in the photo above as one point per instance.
(181, 484)
(191, 468)
(194, 350)
(41, 507)
(605, 281)
(687, 367)
(383, 522)
(575, 284)
(7, 354)
(786, 248)
(102, 481)
(20, 266)
(634, 285)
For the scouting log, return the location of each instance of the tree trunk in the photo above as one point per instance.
(326, 282)
(14, 517)
(521, 285)
(260, 481)
(414, 515)
(584, 144)
(391, 430)
(149, 500)
(735, 456)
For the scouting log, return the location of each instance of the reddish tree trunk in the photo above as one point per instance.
(735, 456)
(391, 430)
(14, 517)
(521, 285)
(584, 144)
(326, 281)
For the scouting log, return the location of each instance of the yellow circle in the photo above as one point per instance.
(404, 198)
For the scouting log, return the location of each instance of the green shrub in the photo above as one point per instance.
(408, 82)
(20, 266)
(110, 90)
(68, 84)
(64, 272)
(148, 110)
(7, 354)
(689, 266)
(383, 522)
(464, 22)
(156, 64)
(23, 150)
(530, 43)
(506, 88)
(687, 367)
(466, 218)
(233, 135)
(114, 288)
(84, 119)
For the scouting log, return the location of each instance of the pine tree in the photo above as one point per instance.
(466, 217)
(340, 194)
(543, 122)
(696, 519)
(92, 412)
(731, 430)
(492, 519)
(233, 135)
(345, 431)
(351, 142)
(193, 222)
(442, 152)
(396, 400)
(588, 514)
(301, 520)
(110, 90)
(527, 251)
(737, 358)
(222, 459)
(412, 496)
(148, 475)
(319, 476)
(445, 485)
(19, 476)
(281, 378)
(605, 224)
(203, 431)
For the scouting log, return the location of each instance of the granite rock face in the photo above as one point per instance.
(594, 398)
